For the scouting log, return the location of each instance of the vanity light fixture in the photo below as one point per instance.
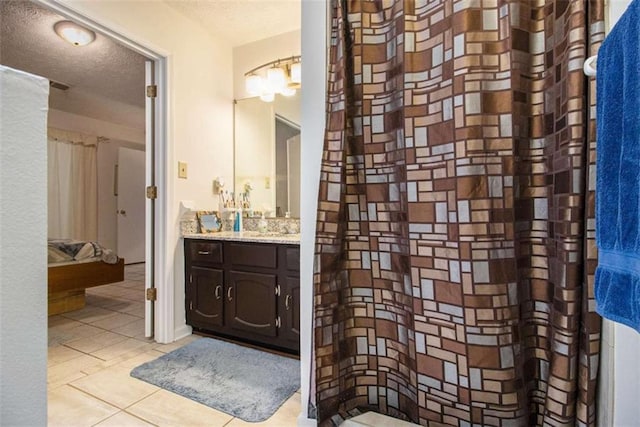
(282, 76)
(74, 33)
(296, 73)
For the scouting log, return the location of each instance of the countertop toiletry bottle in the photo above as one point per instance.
(262, 225)
(237, 224)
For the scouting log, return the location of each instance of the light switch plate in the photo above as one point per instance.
(182, 170)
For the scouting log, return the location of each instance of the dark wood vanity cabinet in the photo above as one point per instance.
(246, 291)
(204, 293)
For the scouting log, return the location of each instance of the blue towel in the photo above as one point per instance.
(617, 283)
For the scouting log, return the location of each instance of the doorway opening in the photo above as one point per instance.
(137, 126)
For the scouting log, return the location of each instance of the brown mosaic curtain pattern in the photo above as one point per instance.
(454, 248)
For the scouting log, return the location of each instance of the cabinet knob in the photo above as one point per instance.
(218, 291)
(229, 297)
(287, 301)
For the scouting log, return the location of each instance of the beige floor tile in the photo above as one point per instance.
(69, 407)
(115, 321)
(70, 370)
(133, 330)
(61, 354)
(123, 347)
(119, 305)
(286, 415)
(135, 309)
(140, 359)
(109, 291)
(133, 284)
(115, 386)
(164, 408)
(61, 322)
(95, 342)
(122, 419)
(167, 348)
(89, 314)
(64, 381)
(57, 337)
(134, 294)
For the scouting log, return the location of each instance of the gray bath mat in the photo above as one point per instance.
(243, 382)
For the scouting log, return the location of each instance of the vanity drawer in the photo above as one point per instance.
(202, 252)
(252, 254)
(292, 258)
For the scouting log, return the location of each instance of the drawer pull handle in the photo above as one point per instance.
(287, 302)
(218, 290)
(203, 252)
(229, 297)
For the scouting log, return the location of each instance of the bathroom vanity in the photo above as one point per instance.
(244, 286)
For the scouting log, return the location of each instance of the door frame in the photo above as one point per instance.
(163, 265)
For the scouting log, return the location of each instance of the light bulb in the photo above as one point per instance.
(73, 33)
(253, 84)
(267, 96)
(276, 79)
(288, 91)
(296, 72)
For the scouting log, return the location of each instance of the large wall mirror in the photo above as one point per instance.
(267, 154)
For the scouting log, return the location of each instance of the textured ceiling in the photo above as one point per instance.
(242, 21)
(106, 80)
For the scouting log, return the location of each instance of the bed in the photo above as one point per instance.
(75, 266)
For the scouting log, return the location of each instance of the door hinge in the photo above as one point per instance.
(278, 324)
(152, 91)
(152, 294)
(278, 290)
(152, 192)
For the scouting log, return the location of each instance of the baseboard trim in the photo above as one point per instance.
(181, 332)
(303, 421)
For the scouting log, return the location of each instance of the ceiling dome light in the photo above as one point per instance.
(74, 33)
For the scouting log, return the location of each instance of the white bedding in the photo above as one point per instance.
(70, 251)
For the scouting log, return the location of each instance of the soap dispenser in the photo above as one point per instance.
(262, 225)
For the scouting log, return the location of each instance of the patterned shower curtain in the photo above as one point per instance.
(455, 246)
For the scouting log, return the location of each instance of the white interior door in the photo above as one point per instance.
(131, 205)
(293, 172)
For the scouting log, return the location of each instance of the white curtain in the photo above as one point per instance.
(72, 185)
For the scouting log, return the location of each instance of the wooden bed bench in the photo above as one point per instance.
(67, 283)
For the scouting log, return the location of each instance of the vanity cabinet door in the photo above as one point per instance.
(290, 311)
(250, 301)
(205, 302)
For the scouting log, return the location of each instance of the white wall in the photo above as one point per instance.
(23, 256)
(314, 36)
(119, 136)
(90, 126)
(200, 94)
(251, 55)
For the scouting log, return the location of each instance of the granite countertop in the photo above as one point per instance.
(248, 236)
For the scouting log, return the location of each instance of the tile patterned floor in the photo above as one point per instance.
(92, 351)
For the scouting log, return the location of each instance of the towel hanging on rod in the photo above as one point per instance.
(590, 66)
